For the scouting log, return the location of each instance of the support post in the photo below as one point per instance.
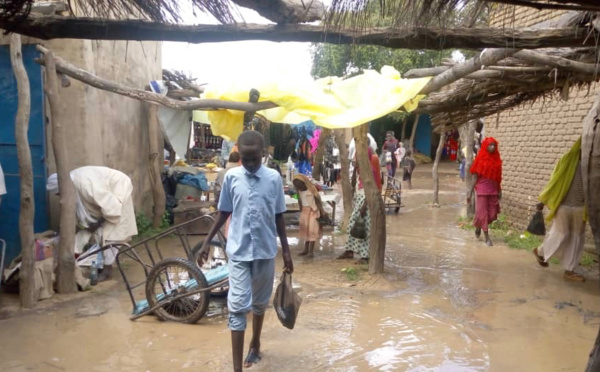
(66, 260)
(155, 166)
(404, 122)
(590, 166)
(347, 192)
(436, 176)
(318, 167)
(413, 133)
(469, 177)
(27, 212)
(374, 201)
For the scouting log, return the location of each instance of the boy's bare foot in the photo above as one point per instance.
(303, 253)
(252, 358)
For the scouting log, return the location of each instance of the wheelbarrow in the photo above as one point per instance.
(176, 288)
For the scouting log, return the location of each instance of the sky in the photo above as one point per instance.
(217, 62)
(241, 60)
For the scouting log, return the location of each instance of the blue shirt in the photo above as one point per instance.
(253, 200)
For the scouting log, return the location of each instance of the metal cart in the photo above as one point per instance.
(177, 287)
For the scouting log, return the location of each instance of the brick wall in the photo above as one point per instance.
(532, 137)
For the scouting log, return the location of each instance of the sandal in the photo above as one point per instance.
(540, 259)
(347, 255)
(572, 276)
(362, 261)
(252, 358)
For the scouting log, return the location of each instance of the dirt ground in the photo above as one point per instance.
(446, 303)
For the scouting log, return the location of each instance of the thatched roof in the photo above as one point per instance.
(524, 77)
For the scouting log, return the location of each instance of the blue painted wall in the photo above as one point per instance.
(423, 135)
(10, 206)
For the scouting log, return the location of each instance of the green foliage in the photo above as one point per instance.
(587, 260)
(501, 224)
(525, 241)
(348, 60)
(145, 228)
(465, 223)
(352, 274)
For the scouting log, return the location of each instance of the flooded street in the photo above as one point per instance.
(446, 303)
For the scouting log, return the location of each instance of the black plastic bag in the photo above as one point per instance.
(286, 301)
(536, 225)
(359, 230)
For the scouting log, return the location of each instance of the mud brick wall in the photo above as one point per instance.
(532, 137)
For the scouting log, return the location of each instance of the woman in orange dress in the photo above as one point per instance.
(311, 208)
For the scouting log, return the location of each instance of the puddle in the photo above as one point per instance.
(446, 303)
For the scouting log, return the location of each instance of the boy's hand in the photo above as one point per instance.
(203, 254)
(288, 265)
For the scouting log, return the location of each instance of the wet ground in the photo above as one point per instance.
(446, 303)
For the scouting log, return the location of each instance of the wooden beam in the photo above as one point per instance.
(183, 93)
(578, 5)
(55, 27)
(460, 70)
(26, 214)
(554, 61)
(286, 11)
(141, 95)
(66, 259)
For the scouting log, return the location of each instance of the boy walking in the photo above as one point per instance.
(253, 196)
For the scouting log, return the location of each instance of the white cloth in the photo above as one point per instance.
(566, 237)
(103, 193)
(399, 154)
(2, 183)
(352, 146)
(308, 200)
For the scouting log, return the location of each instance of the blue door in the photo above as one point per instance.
(10, 206)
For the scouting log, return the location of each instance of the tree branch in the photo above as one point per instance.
(141, 95)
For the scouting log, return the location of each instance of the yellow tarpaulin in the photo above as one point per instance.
(329, 102)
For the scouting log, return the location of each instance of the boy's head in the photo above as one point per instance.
(234, 157)
(251, 145)
(409, 152)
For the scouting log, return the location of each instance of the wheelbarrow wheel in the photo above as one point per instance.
(216, 257)
(174, 277)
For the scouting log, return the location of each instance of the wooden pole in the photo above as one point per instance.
(347, 192)
(26, 215)
(469, 177)
(404, 122)
(374, 201)
(318, 162)
(65, 278)
(436, 176)
(590, 166)
(155, 166)
(413, 133)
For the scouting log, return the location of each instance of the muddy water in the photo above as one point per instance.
(446, 303)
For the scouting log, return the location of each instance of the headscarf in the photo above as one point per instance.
(52, 184)
(488, 165)
(560, 181)
(309, 185)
